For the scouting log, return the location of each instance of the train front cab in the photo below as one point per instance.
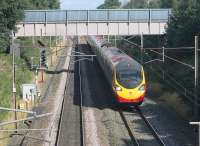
(129, 97)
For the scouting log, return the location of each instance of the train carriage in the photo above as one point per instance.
(124, 74)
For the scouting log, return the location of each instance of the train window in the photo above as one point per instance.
(129, 78)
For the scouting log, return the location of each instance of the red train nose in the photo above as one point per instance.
(124, 100)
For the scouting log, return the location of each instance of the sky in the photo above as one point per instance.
(82, 4)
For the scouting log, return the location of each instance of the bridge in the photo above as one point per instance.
(94, 22)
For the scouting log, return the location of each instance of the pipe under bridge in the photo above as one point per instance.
(94, 22)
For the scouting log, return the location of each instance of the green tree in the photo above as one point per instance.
(136, 4)
(168, 3)
(184, 23)
(142, 4)
(54, 4)
(10, 13)
(110, 4)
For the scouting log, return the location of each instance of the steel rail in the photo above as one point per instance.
(62, 109)
(134, 140)
(81, 107)
(151, 128)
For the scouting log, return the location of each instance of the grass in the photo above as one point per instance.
(28, 52)
(176, 102)
(23, 75)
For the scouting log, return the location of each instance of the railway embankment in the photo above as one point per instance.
(24, 75)
(52, 97)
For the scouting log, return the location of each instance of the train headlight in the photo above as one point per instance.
(142, 88)
(117, 88)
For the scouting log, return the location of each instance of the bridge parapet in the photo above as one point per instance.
(114, 15)
(94, 22)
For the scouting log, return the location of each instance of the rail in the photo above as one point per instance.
(133, 139)
(148, 124)
(151, 128)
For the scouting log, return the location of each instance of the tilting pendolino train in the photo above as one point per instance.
(124, 74)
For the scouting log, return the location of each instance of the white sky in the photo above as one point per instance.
(82, 4)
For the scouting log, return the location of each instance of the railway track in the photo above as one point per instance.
(81, 105)
(62, 106)
(134, 139)
(77, 68)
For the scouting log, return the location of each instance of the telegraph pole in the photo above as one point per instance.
(196, 108)
(14, 79)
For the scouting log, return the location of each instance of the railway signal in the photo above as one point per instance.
(43, 58)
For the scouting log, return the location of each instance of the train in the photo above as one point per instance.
(124, 74)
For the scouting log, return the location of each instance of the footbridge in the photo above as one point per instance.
(93, 22)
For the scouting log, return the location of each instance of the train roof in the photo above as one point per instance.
(127, 65)
(117, 56)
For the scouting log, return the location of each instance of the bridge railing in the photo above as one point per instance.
(114, 15)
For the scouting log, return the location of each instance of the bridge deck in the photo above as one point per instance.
(94, 22)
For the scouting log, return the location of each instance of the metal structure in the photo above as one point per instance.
(14, 90)
(196, 108)
(197, 123)
(28, 118)
(94, 22)
(191, 96)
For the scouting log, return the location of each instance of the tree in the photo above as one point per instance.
(184, 23)
(54, 4)
(169, 3)
(110, 4)
(136, 4)
(142, 4)
(11, 12)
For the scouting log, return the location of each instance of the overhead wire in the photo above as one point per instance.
(168, 74)
(188, 65)
(178, 84)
